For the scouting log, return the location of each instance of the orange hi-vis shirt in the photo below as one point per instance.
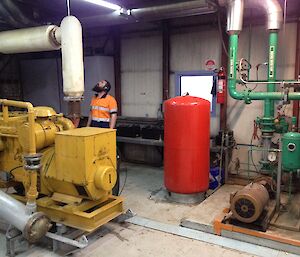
(103, 107)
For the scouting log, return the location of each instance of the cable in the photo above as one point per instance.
(10, 172)
(125, 180)
(126, 172)
(68, 7)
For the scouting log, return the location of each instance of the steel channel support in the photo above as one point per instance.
(279, 171)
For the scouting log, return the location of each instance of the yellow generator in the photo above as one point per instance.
(63, 174)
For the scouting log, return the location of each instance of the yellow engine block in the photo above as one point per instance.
(78, 171)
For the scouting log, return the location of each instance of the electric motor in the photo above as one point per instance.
(248, 203)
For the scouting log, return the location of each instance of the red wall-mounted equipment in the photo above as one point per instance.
(222, 86)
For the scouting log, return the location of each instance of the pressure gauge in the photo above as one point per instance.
(272, 156)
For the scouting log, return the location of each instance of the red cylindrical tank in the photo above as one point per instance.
(186, 144)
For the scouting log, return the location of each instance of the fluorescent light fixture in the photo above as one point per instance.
(105, 4)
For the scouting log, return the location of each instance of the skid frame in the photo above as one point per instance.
(219, 226)
(86, 216)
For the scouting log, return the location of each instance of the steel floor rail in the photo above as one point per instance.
(207, 237)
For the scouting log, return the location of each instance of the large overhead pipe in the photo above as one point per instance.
(68, 37)
(36, 39)
(33, 226)
(72, 64)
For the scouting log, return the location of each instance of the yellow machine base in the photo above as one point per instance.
(87, 216)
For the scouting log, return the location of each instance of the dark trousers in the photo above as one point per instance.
(99, 124)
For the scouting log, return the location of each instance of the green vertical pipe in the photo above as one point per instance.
(233, 49)
(273, 46)
(250, 95)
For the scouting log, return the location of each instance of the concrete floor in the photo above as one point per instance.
(126, 239)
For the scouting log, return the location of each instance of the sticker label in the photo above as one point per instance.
(231, 62)
(271, 61)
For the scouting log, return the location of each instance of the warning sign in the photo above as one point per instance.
(210, 64)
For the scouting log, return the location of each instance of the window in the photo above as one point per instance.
(199, 84)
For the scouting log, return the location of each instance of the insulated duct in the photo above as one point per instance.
(273, 11)
(236, 8)
(72, 58)
(183, 9)
(235, 14)
(36, 39)
(68, 37)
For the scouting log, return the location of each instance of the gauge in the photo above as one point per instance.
(272, 156)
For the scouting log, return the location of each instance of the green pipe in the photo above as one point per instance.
(273, 45)
(233, 49)
(248, 95)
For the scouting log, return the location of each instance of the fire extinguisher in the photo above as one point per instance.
(222, 88)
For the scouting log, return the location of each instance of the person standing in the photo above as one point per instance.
(103, 112)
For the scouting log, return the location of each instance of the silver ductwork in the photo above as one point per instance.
(273, 11)
(33, 226)
(184, 9)
(235, 14)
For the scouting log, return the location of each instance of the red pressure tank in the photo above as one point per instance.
(186, 144)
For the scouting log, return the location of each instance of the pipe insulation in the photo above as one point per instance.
(167, 11)
(174, 10)
(33, 226)
(36, 39)
(273, 11)
(235, 12)
(72, 58)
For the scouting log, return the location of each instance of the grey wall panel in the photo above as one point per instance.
(96, 68)
(39, 79)
(141, 67)
(42, 81)
(189, 51)
(141, 94)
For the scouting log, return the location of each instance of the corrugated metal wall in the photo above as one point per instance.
(10, 86)
(141, 75)
(141, 67)
(42, 81)
(190, 49)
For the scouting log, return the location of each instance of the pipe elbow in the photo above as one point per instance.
(236, 95)
(274, 13)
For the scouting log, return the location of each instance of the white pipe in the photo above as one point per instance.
(33, 226)
(27, 40)
(72, 58)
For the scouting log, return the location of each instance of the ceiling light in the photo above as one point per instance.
(105, 4)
